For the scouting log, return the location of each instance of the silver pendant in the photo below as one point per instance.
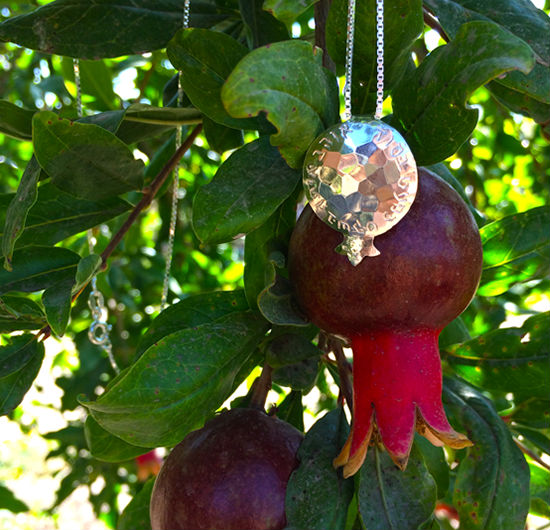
(360, 178)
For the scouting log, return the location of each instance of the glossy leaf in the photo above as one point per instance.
(261, 27)
(36, 268)
(15, 121)
(429, 105)
(136, 514)
(206, 58)
(289, 348)
(247, 188)
(221, 138)
(15, 385)
(287, 82)
(18, 209)
(434, 458)
(291, 410)
(8, 501)
(514, 236)
(403, 23)
(507, 359)
(80, 28)
(317, 497)
(287, 10)
(533, 412)
(539, 490)
(492, 482)
(18, 313)
(169, 116)
(84, 160)
(95, 81)
(16, 354)
(190, 312)
(57, 304)
(57, 215)
(271, 236)
(391, 498)
(106, 447)
(300, 375)
(522, 19)
(178, 382)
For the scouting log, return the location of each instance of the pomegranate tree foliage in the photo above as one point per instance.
(262, 96)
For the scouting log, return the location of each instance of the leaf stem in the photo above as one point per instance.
(431, 21)
(262, 386)
(149, 194)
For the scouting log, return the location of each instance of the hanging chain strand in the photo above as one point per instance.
(99, 330)
(379, 58)
(349, 58)
(175, 185)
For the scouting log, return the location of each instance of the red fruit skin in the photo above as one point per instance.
(425, 276)
(229, 475)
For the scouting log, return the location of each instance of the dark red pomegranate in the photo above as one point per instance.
(231, 474)
(392, 308)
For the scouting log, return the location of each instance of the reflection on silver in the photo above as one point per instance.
(360, 178)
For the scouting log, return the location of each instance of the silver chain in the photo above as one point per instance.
(99, 330)
(175, 185)
(379, 58)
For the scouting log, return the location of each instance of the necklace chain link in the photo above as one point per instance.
(379, 58)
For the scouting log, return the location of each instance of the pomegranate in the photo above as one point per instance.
(231, 474)
(392, 308)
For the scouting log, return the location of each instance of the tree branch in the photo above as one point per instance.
(262, 386)
(433, 23)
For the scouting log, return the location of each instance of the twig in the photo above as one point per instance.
(332, 344)
(433, 23)
(262, 386)
(149, 195)
(531, 454)
(321, 10)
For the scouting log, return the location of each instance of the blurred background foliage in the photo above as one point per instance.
(504, 169)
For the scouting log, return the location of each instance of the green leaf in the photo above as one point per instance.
(391, 498)
(95, 81)
(454, 333)
(15, 121)
(57, 304)
(87, 268)
(190, 312)
(434, 458)
(83, 159)
(14, 386)
(136, 515)
(298, 376)
(19, 207)
(206, 58)
(429, 106)
(507, 359)
(317, 497)
(403, 23)
(169, 116)
(514, 236)
(539, 489)
(287, 11)
(80, 28)
(522, 19)
(221, 138)
(286, 81)
(36, 268)
(534, 413)
(8, 501)
(291, 410)
(271, 236)
(178, 382)
(18, 313)
(261, 27)
(492, 481)
(17, 354)
(289, 348)
(57, 215)
(247, 188)
(106, 447)
(534, 437)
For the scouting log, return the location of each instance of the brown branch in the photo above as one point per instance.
(433, 23)
(149, 194)
(327, 344)
(321, 10)
(531, 454)
(262, 386)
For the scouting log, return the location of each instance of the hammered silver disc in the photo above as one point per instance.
(360, 177)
